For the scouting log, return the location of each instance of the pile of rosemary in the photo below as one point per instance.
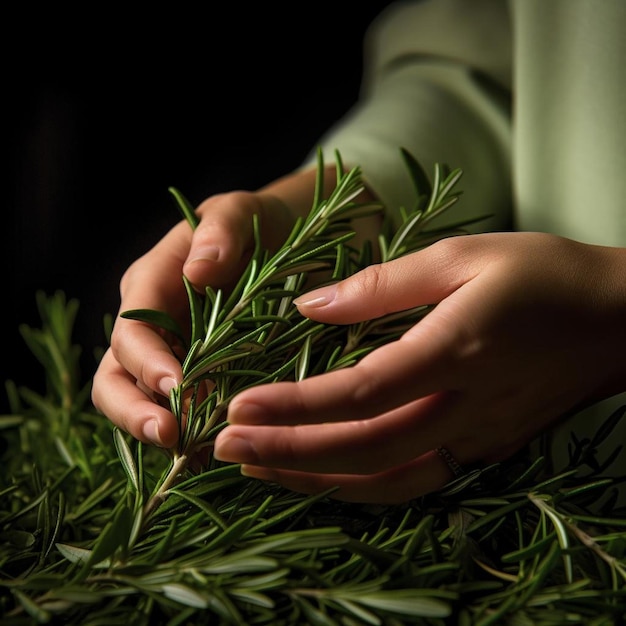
(96, 528)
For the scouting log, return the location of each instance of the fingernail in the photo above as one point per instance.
(166, 384)
(318, 297)
(206, 253)
(262, 473)
(151, 432)
(235, 450)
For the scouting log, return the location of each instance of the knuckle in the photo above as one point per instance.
(129, 275)
(287, 448)
(451, 246)
(120, 336)
(369, 392)
(224, 205)
(371, 282)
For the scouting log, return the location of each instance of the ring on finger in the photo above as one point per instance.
(453, 465)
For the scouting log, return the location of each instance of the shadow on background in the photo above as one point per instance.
(106, 113)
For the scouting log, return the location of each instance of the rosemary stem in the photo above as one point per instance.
(173, 476)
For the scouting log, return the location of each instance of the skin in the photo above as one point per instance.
(528, 328)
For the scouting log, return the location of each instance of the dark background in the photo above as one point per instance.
(107, 110)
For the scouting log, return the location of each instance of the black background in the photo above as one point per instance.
(106, 110)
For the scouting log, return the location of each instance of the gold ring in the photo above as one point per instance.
(451, 462)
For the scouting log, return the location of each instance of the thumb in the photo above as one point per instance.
(221, 240)
(421, 278)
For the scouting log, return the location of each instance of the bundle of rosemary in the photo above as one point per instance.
(96, 528)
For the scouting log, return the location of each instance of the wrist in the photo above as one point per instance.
(293, 194)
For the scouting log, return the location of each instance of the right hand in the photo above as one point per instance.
(132, 382)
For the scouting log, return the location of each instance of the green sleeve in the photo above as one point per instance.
(436, 82)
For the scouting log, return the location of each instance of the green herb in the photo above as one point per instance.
(96, 528)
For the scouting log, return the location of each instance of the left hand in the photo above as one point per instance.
(528, 327)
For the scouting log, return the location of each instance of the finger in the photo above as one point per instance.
(116, 395)
(423, 475)
(224, 238)
(220, 240)
(349, 447)
(432, 274)
(413, 367)
(146, 356)
(140, 348)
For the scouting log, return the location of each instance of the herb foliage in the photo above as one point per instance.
(98, 529)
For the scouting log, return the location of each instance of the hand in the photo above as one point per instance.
(526, 330)
(132, 383)
(133, 380)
